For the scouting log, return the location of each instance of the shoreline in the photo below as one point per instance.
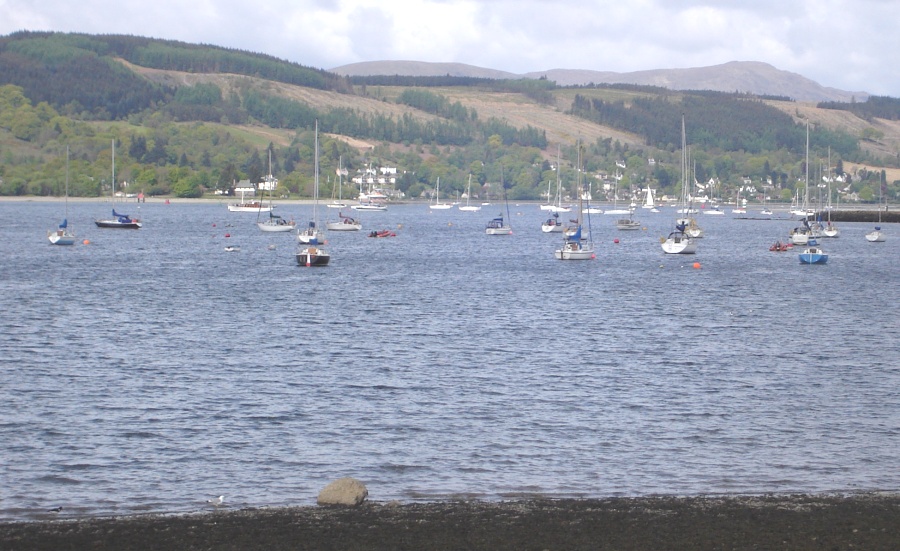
(797, 522)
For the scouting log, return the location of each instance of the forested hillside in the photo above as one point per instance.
(199, 128)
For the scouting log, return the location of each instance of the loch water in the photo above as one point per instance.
(151, 370)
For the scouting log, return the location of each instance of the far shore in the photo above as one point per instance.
(223, 200)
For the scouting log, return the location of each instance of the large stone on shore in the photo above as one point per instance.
(343, 491)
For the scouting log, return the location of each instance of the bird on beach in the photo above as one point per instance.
(55, 510)
(216, 502)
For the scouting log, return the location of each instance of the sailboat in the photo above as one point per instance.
(499, 226)
(118, 220)
(628, 223)
(830, 230)
(738, 206)
(274, 222)
(803, 235)
(344, 223)
(576, 247)
(558, 207)
(339, 203)
(679, 242)
(877, 235)
(313, 254)
(616, 209)
(311, 234)
(437, 205)
(63, 235)
(552, 224)
(649, 201)
(468, 207)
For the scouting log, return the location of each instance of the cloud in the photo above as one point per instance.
(846, 44)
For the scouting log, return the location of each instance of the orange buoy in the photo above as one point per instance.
(86, 242)
(696, 265)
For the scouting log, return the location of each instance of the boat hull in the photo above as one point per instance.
(312, 256)
(628, 225)
(343, 226)
(364, 206)
(309, 237)
(813, 256)
(275, 228)
(679, 244)
(133, 225)
(876, 236)
(250, 207)
(498, 231)
(579, 254)
(57, 238)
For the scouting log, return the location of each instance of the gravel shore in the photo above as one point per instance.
(800, 522)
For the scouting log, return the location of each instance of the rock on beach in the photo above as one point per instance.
(343, 491)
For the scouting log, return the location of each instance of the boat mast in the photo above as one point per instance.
(316, 183)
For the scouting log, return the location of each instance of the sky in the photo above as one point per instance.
(852, 45)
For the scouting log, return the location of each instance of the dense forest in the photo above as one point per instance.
(62, 90)
(876, 106)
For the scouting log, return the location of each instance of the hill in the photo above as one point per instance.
(737, 76)
(191, 118)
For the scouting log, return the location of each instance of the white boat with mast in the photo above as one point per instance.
(314, 253)
(649, 200)
(468, 207)
(803, 234)
(437, 205)
(616, 210)
(273, 223)
(62, 235)
(678, 241)
(830, 230)
(499, 226)
(877, 235)
(575, 246)
(118, 220)
(340, 173)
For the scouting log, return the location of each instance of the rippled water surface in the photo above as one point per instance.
(151, 370)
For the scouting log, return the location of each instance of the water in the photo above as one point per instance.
(151, 370)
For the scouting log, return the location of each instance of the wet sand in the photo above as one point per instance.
(859, 521)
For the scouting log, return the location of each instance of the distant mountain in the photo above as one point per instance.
(736, 76)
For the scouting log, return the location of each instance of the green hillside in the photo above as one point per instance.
(189, 119)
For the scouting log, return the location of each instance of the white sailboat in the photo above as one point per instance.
(803, 235)
(678, 241)
(118, 220)
(877, 235)
(344, 223)
(437, 205)
(339, 202)
(575, 246)
(649, 201)
(738, 206)
(62, 235)
(616, 210)
(469, 207)
(314, 253)
(499, 226)
(273, 223)
(558, 206)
